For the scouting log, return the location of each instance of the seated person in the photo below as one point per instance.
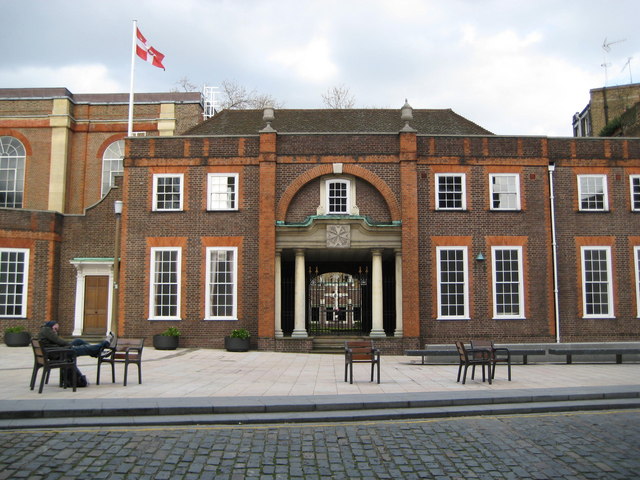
(49, 338)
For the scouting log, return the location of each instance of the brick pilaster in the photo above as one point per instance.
(409, 206)
(267, 236)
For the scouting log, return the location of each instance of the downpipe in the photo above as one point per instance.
(554, 253)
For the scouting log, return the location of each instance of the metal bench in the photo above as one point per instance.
(571, 351)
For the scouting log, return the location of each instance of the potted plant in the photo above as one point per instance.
(238, 341)
(16, 337)
(167, 340)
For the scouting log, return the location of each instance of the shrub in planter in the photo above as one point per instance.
(238, 341)
(16, 337)
(167, 340)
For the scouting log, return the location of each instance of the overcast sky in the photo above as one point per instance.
(515, 67)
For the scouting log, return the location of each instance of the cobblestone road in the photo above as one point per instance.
(604, 445)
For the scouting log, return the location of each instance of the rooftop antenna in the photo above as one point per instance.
(606, 46)
(628, 64)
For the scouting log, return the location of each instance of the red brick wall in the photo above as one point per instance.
(296, 192)
(191, 226)
(40, 232)
(92, 127)
(616, 228)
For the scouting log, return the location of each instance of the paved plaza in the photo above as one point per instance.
(218, 373)
(600, 444)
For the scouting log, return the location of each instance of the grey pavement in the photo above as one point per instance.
(209, 386)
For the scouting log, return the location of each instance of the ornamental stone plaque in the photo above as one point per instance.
(338, 236)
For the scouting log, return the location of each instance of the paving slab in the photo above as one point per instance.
(199, 382)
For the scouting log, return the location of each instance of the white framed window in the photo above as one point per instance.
(222, 191)
(12, 159)
(450, 191)
(14, 275)
(338, 200)
(221, 283)
(508, 287)
(112, 165)
(505, 191)
(597, 292)
(164, 295)
(453, 291)
(593, 193)
(167, 192)
(636, 262)
(634, 181)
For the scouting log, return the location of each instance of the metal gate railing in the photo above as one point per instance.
(336, 304)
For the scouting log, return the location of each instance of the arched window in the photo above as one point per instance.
(12, 156)
(112, 165)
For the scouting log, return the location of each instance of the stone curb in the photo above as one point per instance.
(245, 410)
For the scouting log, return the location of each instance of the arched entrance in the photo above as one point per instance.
(330, 287)
(336, 303)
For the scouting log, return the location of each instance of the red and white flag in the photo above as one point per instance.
(146, 52)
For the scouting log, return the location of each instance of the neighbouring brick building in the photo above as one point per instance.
(611, 112)
(409, 226)
(60, 154)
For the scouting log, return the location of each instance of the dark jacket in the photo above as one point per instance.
(49, 338)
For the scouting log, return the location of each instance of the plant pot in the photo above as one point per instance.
(233, 344)
(17, 339)
(163, 342)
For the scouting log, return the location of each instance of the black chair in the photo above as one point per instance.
(126, 350)
(50, 358)
(360, 351)
(498, 355)
(471, 357)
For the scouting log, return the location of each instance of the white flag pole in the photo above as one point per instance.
(133, 63)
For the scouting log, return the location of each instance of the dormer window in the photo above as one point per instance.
(337, 197)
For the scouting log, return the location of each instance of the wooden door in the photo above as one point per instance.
(96, 303)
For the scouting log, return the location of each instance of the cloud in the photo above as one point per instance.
(81, 78)
(311, 62)
(504, 82)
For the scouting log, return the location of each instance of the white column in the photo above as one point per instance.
(278, 294)
(299, 309)
(398, 332)
(377, 329)
(78, 318)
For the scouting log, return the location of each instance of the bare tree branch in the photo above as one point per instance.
(235, 96)
(338, 97)
(184, 85)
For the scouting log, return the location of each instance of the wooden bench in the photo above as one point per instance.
(127, 350)
(360, 351)
(63, 358)
(571, 351)
(520, 351)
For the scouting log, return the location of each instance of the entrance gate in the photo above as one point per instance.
(337, 303)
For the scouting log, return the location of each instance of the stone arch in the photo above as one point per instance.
(9, 132)
(327, 169)
(108, 141)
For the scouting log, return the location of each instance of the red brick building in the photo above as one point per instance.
(60, 154)
(409, 226)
